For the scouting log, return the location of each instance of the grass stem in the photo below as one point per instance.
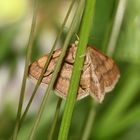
(74, 83)
(47, 63)
(55, 73)
(89, 122)
(28, 57)
(55, 119)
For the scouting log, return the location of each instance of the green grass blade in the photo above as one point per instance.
(126, 94)
(74, 84)
(89, 122)
(55, 73)
(55, 119)
(28, 57)
(130, 118)
(114, 27)
(47, 63)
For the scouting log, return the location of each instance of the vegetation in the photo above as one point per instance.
(114, 30)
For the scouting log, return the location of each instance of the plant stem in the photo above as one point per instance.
(46, 64)
(55, 119)
(116, 26)
(89, 122)
(55, 73)
(28, 56)
(130, 88)
(74, 84)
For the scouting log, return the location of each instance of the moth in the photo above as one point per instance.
(98, 75)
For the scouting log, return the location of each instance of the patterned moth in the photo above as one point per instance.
(99, 74)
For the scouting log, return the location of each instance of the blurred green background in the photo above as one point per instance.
(118, 117)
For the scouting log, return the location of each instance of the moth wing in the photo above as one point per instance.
(63, 81)
(36, 67)
(104, 74)
(84, 83)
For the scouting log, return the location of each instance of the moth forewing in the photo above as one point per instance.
(99, 74)
(104, 74)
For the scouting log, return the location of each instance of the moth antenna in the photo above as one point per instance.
(77, 40)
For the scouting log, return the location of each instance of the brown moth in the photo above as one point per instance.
(99, 74)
